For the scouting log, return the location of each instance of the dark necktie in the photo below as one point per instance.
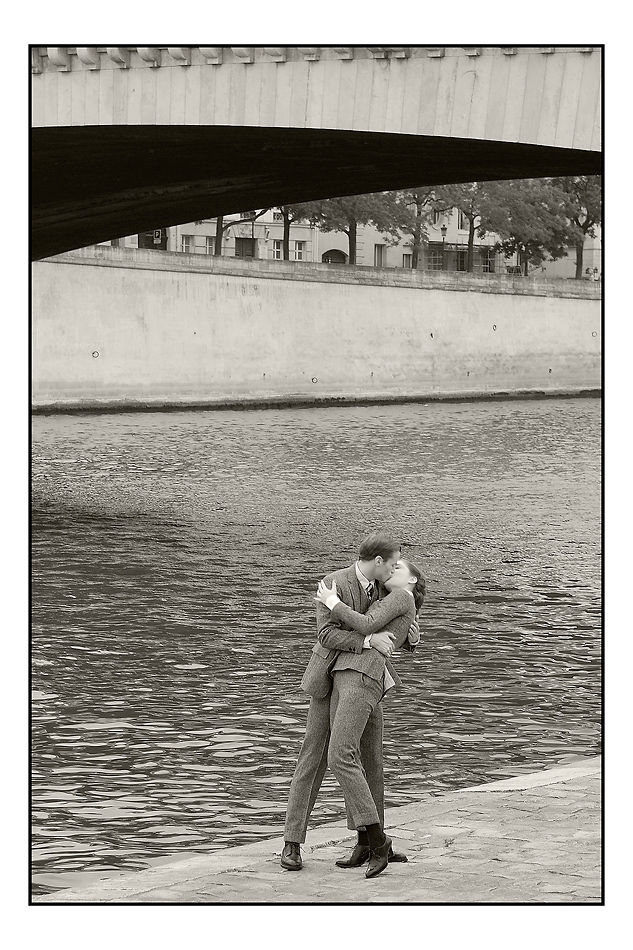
(370, 591)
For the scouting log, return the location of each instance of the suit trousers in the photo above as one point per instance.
(312, 764)
(355, 696)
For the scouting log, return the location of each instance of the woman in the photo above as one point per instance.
(396, 612)
(359, 683)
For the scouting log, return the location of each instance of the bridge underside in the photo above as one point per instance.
(96, 183)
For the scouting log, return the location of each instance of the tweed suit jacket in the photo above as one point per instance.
(335, 636)
(395, 612)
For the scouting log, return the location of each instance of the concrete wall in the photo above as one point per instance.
(114, 327)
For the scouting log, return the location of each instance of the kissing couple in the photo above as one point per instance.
(363, 613)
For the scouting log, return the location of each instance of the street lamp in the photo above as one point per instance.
(443, 229)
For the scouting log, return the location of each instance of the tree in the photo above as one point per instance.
(475, 200)
(533, 219)
(584, 193)
(221, 227)
(219, 234)
(382, 210)
(417, 205)
(290, 214)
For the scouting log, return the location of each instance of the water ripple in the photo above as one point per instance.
(174, 562)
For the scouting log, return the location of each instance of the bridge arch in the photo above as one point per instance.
(131, 138)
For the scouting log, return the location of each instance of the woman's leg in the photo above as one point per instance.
(309, 771)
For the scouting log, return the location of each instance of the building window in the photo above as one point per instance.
(462, 260)
(407, 260)
(463, 224)
(435, 259)
(115, 242)
(277, 216)
(436, 216)
(248, 214)
(278, 250)
(209, 244)
(488, 261)
(187, 244)
(379, 255)
(244, 247)
(299, 250)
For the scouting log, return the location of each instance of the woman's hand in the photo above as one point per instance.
(323, 592)
(413, 635)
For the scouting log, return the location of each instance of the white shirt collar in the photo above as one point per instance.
(363, 581)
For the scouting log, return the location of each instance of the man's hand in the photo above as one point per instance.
(413, 635)
(383, 642)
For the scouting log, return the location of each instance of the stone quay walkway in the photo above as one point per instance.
(534, 838)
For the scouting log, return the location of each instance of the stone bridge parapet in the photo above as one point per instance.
(173, 262)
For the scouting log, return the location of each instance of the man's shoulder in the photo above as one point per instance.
(343, 574)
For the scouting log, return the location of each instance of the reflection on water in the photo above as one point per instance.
(175, 557)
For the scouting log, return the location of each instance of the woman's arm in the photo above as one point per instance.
(377, 617)
(330, 635)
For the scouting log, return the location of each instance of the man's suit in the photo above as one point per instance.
(359, 685)
(313, 757)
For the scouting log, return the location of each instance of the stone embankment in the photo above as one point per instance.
(117, 329)
(534, 838)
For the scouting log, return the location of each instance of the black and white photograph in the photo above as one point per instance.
(315, 424)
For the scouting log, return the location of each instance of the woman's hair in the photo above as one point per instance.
(419, 591)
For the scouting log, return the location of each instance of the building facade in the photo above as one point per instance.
(260, 236)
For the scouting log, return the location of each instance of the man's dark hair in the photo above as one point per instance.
(377, 544)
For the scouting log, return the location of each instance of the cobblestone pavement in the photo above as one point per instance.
(531, 839)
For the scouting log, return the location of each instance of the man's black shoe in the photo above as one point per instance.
(361, 853)
(291, 856)
(379, 859)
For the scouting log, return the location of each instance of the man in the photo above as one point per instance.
(357, 586)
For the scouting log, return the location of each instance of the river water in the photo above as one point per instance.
(174, 560)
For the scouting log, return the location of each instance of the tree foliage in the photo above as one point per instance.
(535, 218)
(382, 210)
(416, 208)
(291, 214)
(584, 195)
(474, 200)
(532, 218)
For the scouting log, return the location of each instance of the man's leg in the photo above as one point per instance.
(309, 771)
(372, 759)
(372, 762)
(354, 697)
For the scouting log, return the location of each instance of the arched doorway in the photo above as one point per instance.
(334, 256)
